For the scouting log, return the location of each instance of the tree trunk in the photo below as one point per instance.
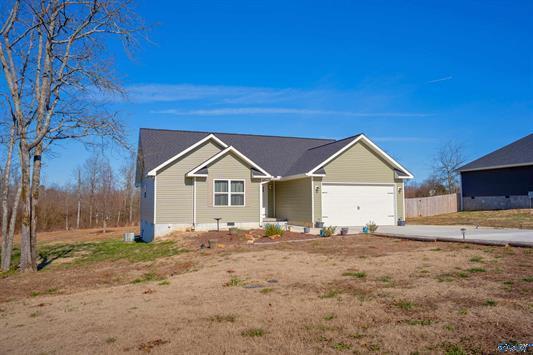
(79, 201)
(26, 263)
(35, 190)
(7, 242)
(90, 214)
(131, 206)
(8, 239)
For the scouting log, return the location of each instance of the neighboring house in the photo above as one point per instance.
(502, 179)
(188, 179)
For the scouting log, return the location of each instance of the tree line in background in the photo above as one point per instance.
(97, 197)
(444, 178)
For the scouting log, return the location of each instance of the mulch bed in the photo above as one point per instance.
(227, 238)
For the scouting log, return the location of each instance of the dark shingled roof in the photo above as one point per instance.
(519, 152)
(279, 156)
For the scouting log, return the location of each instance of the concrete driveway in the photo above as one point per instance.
(448, 233)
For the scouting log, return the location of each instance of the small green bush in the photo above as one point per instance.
(372, 226)
(274, 229)
(329, 231)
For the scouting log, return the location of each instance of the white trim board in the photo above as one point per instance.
(365, 139)
(193, 172)
(153, 172)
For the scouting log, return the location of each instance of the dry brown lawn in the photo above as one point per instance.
(355, 294)
(520, 218)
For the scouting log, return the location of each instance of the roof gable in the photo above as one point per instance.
(271, 155)
(201, 170)
(517, 153)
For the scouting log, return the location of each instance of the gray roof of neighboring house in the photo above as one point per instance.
(519, 152)
(279, 156)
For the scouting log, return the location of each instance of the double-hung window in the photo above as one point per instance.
(228, 193)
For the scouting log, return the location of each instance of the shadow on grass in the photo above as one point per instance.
(92, 252)
(47, 260)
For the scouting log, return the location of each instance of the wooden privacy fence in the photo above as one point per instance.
(431, 206)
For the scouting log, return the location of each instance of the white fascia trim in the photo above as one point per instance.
(193, 172)
(153, 172)
(373, 145)
(496, 167)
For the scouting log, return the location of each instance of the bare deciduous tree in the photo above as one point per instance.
(448, 160)
(53, 56)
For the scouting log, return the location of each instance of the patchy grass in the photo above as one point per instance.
(223, 318)
(77, 254)
(358, 274)
(476, 259)
(266, 290)
(528, 279)
(386, 279)
(341, 346)
(253, 332)
(474, 270)
(418, 321)
(330, 293)
(147, 277)
(490, 303)
(282, 298)
(405, 305)
(110, 340)
(330, 316)
(519, 218)
(453, 349)
(234, 281)
(50, 291)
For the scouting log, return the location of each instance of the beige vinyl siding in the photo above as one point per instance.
(293, 201)
(147, 203)
(228, 167)
(174, 191)
(317, 198)
(360, 164)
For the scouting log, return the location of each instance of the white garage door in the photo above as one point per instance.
(356, 205)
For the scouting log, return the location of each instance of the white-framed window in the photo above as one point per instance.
(228, 192)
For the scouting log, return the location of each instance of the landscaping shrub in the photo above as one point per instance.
(372, 226)
(274, 229)
(329, 231)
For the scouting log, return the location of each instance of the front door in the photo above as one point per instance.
(264, 207)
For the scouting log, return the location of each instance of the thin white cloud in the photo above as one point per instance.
(233, 111)
(145, 93)
(440, 79)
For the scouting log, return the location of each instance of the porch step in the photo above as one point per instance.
(271, 219)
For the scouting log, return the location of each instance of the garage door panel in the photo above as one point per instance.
(355, 205)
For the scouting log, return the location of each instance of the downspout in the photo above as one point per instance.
(194, 203)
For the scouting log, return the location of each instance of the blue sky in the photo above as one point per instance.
(411, 75)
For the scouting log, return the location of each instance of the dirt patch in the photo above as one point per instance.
(224, 238)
